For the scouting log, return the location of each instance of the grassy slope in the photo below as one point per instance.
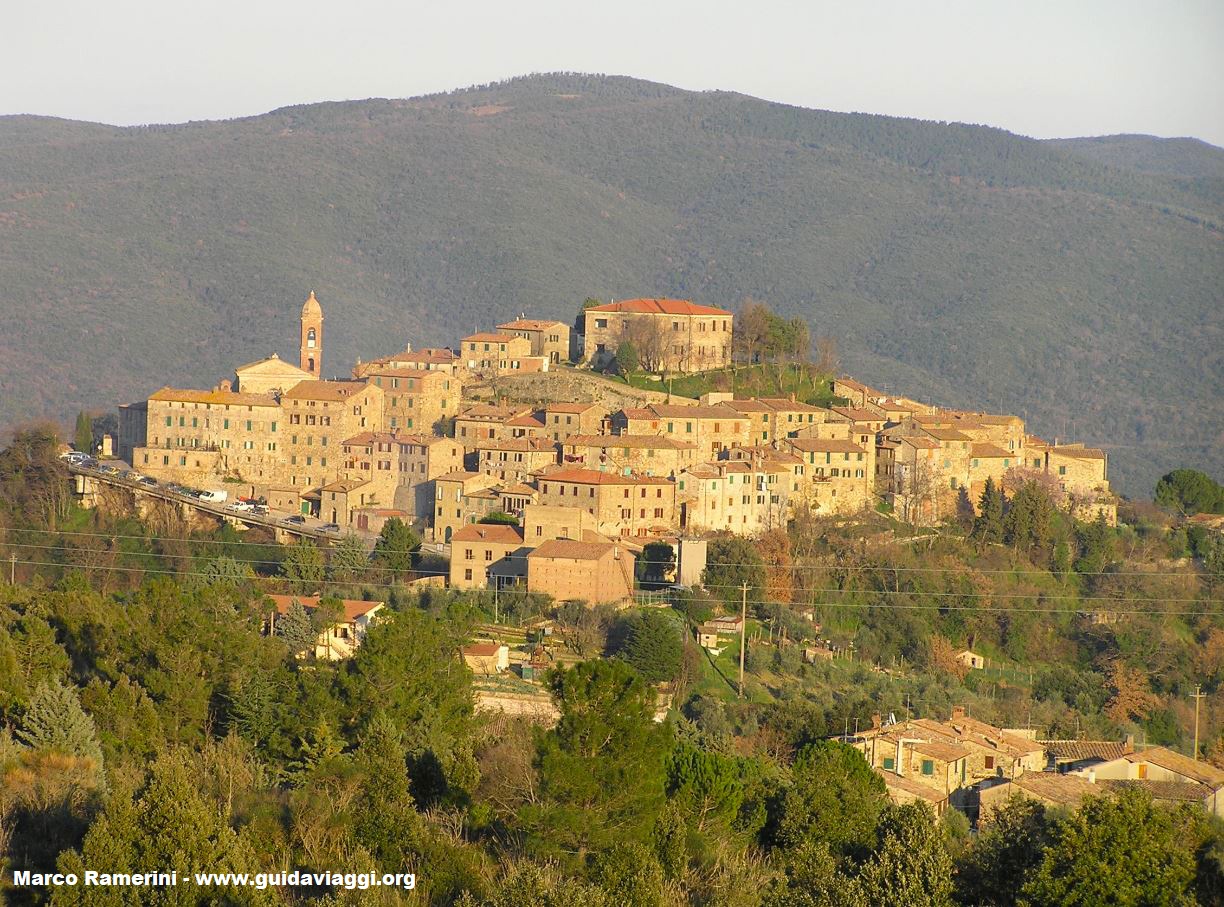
(954, 262)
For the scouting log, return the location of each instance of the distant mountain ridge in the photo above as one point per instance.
(1077, 282)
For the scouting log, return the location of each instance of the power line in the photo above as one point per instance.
(865, 568)
(715, 586)
(792, 604)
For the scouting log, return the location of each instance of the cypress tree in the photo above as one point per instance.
(83, 435)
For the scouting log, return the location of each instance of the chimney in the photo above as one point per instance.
(876, 720)
(226, 385)
(899, 766)
(1128, 743)
(1092, 776)
(958, 711)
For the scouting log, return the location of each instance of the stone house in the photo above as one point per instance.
(490, 353)
(672, 335)
(564, 420)
(836, 471)
(712, 429)
(622, 505)
(592, 572)
(415, 400)
(652, 455)
(458, 501)
(737, 496)
(485, 555)
(550, 339)
(514, 459)
(485, 422)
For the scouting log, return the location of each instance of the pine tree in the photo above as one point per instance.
(55, 721)
(654, 646)
(396, 545)
(295, 628)
(303, 565)
(83, 436)
(349, 559)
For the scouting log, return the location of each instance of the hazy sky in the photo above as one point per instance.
(1070, 67)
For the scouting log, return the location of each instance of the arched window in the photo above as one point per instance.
(310, 338)
(310, 366)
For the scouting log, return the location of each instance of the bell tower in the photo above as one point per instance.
(312, 336)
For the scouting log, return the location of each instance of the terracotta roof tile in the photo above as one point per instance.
(659, 307)
(325, 390)
(571, 550)
(489, 532)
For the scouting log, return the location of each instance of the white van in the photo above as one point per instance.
(213, 497)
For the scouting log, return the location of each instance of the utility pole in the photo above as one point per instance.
(495, 601)
(12, 569)
(743, 629)
(1198, 697)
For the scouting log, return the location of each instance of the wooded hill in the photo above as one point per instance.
(1078, 284)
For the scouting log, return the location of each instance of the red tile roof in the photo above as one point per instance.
(659, 307)
(353, 608)
(571, 550)
(325, 390)
(489, 532)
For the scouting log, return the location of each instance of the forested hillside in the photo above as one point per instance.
(954, 262)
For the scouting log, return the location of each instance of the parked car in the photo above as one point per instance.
(240, 507)
(213, 496)
(259, 510)
(297, 519)
(88, 463)
(330, 527)
(147, 480)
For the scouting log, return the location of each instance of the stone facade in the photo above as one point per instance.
(672, 335)
(621, 505)
(550, 339)
(515, 459)
(592, 572)
(415, 400)
(483, 555)
(651, 455)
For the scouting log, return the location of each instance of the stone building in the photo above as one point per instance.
(485, 555)
(415, 400)
(591, 572)
(195, 436)
(561, 420)
(712, 429)
(318, 417)
(622, 505)
(651, 455)
(670, 335)
(488, 353)
(272, 375)
(550, 339)
(514, 459)
(486, 421)
(741, 496)
(837, 474)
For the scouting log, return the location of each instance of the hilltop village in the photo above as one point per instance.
(417, 436)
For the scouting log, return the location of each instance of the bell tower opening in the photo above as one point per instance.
(312, 336)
